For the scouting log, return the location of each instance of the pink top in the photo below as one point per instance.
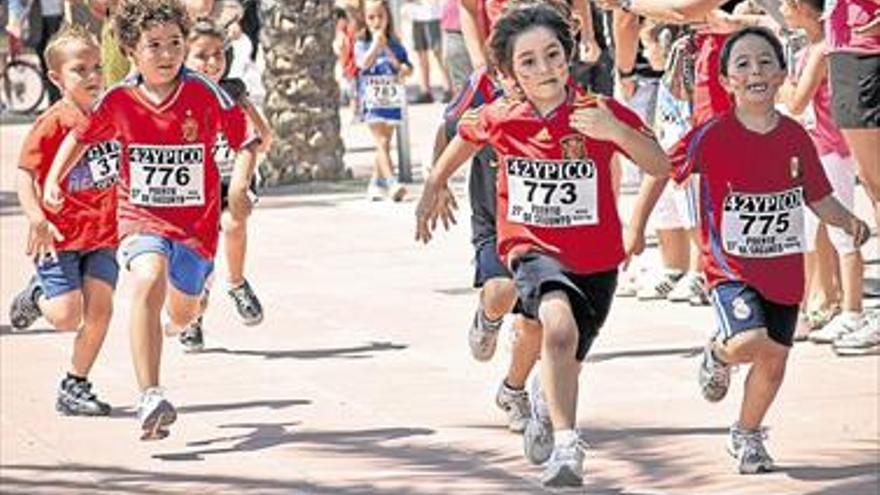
(843, 16)
(450, 20)
(822, 128)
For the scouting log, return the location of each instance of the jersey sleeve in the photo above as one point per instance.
(683, 156)
(41, 144)
(100, 125)
(475, 124)
(463, 101)
(234, 124)
(399, 52)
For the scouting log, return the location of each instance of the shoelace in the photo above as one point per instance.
(82, 390)
(753, 441)
(243, 297)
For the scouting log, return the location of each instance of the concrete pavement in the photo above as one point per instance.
(359, 380)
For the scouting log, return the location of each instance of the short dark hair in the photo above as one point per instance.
(133, 17)
(520, 19)
(817, 5)
(751, 31)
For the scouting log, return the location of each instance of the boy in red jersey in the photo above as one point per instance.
(74, 248)
(758, 170)
(167, 119)
(558, 228)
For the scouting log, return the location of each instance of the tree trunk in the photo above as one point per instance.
(302, 97)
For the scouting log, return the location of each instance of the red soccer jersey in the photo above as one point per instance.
(753, 191)
(87, 218)
(554, 183)
(169, 184)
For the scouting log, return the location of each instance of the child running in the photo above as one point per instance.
(382, 62)
(167, 119)
(206, 43)
(75, 247)
(752, 231)
(558, 227)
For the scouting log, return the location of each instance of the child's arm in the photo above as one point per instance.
(474, 38)
(245, 163)
(433, 201)
(830, 211)
(365, 58)
(260, 124)
(42, 234)
(649, 193)
(600, 123)
(69, 153)
(797, 94)
(590, 47)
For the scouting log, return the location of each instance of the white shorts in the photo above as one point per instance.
(677, 207)
(841, 173)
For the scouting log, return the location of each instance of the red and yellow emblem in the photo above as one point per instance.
(573, 147)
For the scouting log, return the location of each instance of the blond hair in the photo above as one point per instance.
(67, 34)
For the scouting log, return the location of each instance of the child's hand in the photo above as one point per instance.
(436, 202)
(405, 71)
(42, 236)
(265, 143)
(239, 203)
(53, 199)
(381, 38)
(590, 51)
(859, 231)
(596, 122)
(633, 243)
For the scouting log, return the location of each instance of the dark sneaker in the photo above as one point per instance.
(747, 447)
(24, 310)
(516, 404)
(423, 98)
(714, 375)
(75, 398)
(247, 304)
(192, 338)
(483, 336)
(565, 467)
(155, 414)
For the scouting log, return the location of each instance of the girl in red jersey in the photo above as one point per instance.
(167, 119)
(752, 231)
(558, 228)
(206, 54)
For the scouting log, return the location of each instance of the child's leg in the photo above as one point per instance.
(674, 250)
(235, 243)
(864, 144)
(497, 297)
(424, 71)
(98, 302)
(559, 371)
(64, 312)
(149, 275)
(526, 350)
(444, 71)
(382, 136)
(825, 289)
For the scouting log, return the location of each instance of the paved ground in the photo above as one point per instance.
(359, 381)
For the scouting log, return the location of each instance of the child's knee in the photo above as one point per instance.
(66, 313)
(232, 226)
(499, 294)
(746, 347)
(557, 320)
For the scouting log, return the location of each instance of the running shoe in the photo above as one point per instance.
(75, 398)
(192, 338)
(538, 435)
(25, 310)
(246, 303)
(516, 404)
(714, 376)
(155, 414)
(566, 466)
(747, 447)
(483, 335)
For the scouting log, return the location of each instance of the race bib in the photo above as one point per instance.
(552, 193)
(764, 225)
(103, 162)
(167, 175)
(224, 157)
(383, 92)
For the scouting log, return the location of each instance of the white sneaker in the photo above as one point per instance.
(538, 435)
(396, 191)
(155, 414)
(375, 190)
(839, 326)
(863, 342)
(747, 447)
(687, 287)
(659, 285)
(566, 466)
(516, 404)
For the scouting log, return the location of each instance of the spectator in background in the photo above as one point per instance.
(454, 50)
(427, 39)
(52, 14)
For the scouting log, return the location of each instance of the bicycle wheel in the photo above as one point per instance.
(22, 89)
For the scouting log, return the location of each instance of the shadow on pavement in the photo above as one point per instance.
(358, 352)
(129, 412)
(8, 330)
(685, 352)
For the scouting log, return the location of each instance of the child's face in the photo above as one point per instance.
(79, 74)
(206, 55)
(539, 64)
(753, 72)
(375, 16)
(159, 53)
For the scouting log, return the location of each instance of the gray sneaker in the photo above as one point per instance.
(192, 338)
(75, 398)
(565, 467)
(246, 303)
(516, 404)
(538, 435)
(747, 447)
(483, 336)
(155, 413)
(24, 310)
(714, 375)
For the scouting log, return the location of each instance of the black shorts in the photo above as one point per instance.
(590, 295)
(855, 90)
(427, 35)
(740, 308)
(224, 193)
(488, 265)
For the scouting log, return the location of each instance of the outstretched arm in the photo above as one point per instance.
(432, 201)
(69, 153)
(830, 211)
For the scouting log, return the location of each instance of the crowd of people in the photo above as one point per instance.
(763, 115)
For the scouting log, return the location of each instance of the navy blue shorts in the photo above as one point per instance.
(488, 265)
(590, 295)
(740, 308)
(188, 271)
(66, 273)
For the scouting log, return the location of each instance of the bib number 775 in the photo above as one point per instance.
(765, 223)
